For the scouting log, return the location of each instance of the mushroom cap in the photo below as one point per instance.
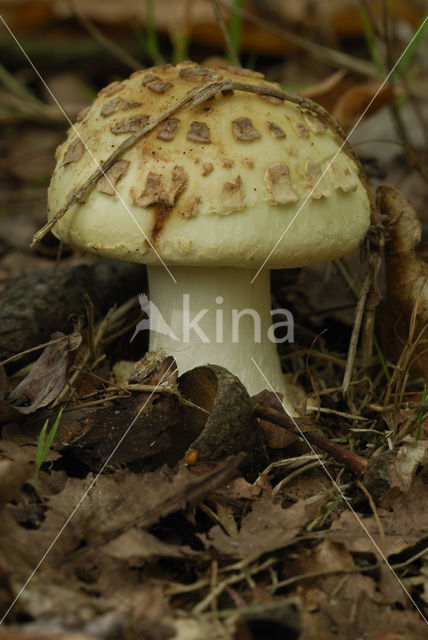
(215, 184)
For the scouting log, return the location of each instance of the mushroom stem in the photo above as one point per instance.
(215, 315)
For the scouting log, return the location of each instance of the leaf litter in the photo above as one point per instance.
(182, 535)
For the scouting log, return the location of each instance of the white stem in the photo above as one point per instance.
(215, 315)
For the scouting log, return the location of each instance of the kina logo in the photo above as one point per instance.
(154, 320)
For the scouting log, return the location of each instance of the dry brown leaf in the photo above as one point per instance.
(406, 280)
(266, 528)
(48, 374)
(404, 524)
(13, 474)
(137, 547)
(353, 102)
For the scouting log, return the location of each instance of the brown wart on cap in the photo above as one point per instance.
(198, 132)
(243, 130)
(343, 178)
(118, 104)
(276, 130)
(148, 77)
(158, 86)
(316, 181)
(74, 152)
(107, 183)
(111, 89)
(207, 168)
(168, 129)
(232, 196)
(128, 125)
(212, 187)
(278, 184)
(301, 130)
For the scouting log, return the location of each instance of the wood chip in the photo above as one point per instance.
(243, 130)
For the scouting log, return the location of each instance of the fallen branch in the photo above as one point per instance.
(350, 460)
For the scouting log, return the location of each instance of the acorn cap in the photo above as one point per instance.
(215, 184)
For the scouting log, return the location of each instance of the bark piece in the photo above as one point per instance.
(36, 305)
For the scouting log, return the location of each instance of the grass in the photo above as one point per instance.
(44, 443)
(148, 37)
(421, 414)
(235, 29)
(381, 359)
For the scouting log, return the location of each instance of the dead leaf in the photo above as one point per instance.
(230, 426)
(404, 524)
(137, 547)
(13, 474)
(266, 528)
(48, 374)
(353, 102)
(406, 280)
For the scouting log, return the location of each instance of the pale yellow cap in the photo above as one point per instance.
(217, 184)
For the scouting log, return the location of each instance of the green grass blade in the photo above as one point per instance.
(371, 41)
(151, 40)
(381, 359)
(414, 44)
(44, 443)
(235, 28)
(421, 415)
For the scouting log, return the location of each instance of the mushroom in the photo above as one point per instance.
(204, 198)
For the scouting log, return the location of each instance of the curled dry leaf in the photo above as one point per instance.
(352, 102)
(230, 427)
(406, 281)
(48, 374)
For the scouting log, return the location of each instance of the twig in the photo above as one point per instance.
(39, 346)
(226, 36)
(375, 512)
(350, 460)
(359, 311)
